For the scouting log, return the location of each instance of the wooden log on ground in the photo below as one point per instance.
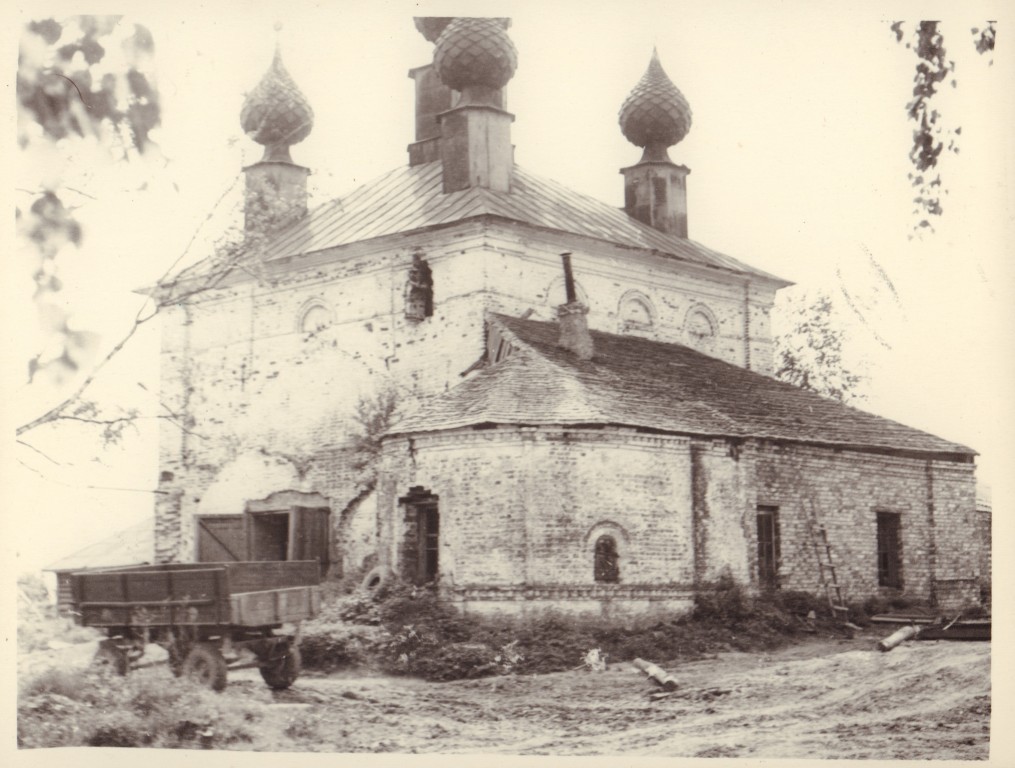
(657, 675)
(898, 637)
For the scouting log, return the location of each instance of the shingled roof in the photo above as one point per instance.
(657, 387)
(412, 198)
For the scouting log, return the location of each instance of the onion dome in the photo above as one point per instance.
(432, 26)
(276, 113)
(655, 115)
(475, 56)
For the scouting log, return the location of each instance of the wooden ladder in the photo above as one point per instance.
(826, 572)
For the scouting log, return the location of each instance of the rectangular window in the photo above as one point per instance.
(768, 546)
(889, 550)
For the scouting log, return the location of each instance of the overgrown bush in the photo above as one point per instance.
(726, 601)
(95, 708)
(410, 631)
(337, 645)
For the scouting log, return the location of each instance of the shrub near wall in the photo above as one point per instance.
(418, 635)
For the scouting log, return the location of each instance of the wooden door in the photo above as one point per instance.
(220, 538)
(310, 537)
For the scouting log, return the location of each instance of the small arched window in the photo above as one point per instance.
(315, 318)
(700, 329)
(607, 563)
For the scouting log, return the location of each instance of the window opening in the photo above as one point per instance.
(699, 327)
(768, 547)
(419, 290)
(889, 550)
(429, 537)
(607, 562)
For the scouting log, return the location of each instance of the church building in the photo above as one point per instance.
(585, 417)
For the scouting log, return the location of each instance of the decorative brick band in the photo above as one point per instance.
(571, 592)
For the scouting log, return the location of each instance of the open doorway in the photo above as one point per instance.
(269, 536)
(420, 562)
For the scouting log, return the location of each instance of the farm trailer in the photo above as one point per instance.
(209, 617)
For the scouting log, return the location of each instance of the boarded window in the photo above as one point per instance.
(889, 550)
(220, 538)
(606, 567)
(768, 547)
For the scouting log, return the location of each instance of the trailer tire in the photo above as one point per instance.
(284, 671)
(205, 666)
(376, 581)
(111, 658)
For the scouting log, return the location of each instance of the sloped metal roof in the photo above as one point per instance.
(657, 386)
(131, 546)
(411, 198)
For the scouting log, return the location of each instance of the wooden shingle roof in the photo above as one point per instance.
(658, 387)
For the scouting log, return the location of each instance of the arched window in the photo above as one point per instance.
(700, 328)
(315, 317)
(636, 313)
(607, 563)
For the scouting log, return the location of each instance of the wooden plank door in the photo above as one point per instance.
(220, 538)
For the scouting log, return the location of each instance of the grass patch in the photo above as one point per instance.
(60, 708)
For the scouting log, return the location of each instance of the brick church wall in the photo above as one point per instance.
(246, 381)
(520, 507)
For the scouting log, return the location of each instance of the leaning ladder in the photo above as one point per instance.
(826, 572)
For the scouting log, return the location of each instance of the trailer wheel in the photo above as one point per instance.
(283, 672)
(111, 658)
(205, 666)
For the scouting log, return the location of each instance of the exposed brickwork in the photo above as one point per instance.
(252, 389)
(521, 509)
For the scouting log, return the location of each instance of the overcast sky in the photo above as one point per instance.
(798, 152)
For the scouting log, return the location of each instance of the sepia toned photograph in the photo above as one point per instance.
(611, 380)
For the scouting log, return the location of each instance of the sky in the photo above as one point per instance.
(798, 156)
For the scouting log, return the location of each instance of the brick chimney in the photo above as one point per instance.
(655, 116)
(572, 317)
(475, 57)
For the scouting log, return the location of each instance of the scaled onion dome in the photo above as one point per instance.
(475, 56)
(655, 115)
(276, 113)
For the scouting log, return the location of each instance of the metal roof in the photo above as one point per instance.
(411, 198)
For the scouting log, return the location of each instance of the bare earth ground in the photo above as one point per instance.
(824, 698)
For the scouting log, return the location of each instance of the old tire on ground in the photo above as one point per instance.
(111, 658)
(205, 666)
(376, 580)
(283, 671)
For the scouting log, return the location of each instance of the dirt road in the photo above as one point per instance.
(827, 698)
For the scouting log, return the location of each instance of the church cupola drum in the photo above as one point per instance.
(475, 57)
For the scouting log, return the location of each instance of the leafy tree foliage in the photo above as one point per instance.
(933, 67)
(810, 355)
(81, 81)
